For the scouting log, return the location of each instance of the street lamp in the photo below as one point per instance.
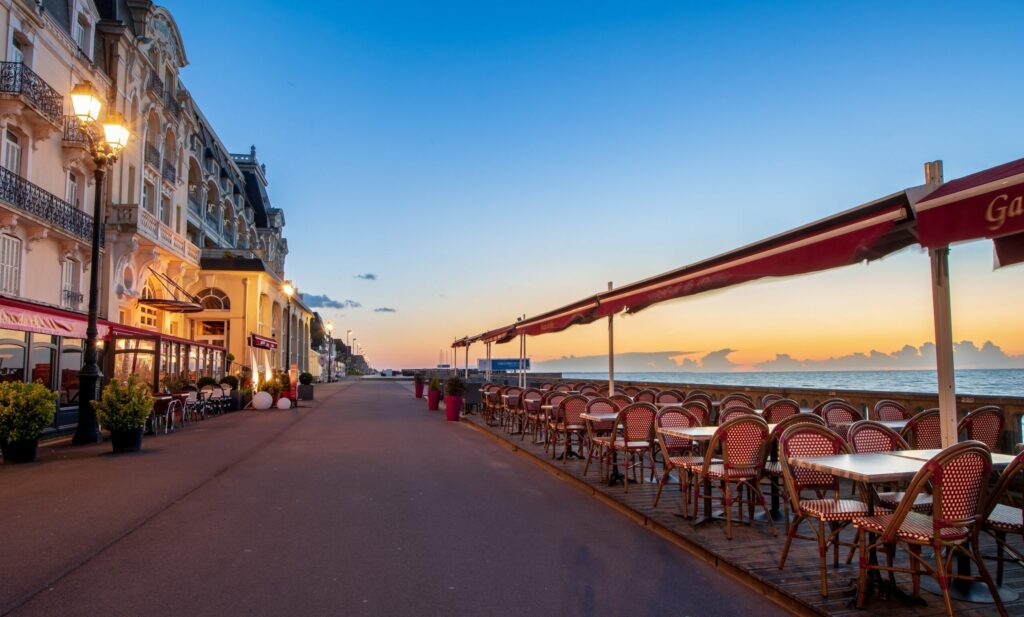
(104, 151)
(330, 348)
(289, 291)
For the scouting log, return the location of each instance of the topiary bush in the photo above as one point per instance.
(205, 381)
(305, 378)
(25, 410)
(124, 406)
(230, 380)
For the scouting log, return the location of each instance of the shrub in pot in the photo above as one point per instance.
(273, 388)
(454, 390)
(305, 390)
(433, 394)
(123, 409)
(419, 379)
(176, 382)
(205, 381)
(25, 410)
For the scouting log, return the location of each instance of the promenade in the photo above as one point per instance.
(362, 503)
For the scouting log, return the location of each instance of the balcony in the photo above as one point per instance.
(156, 85)
(152, 155)
(172, 104)
(149, 227)
(194, 208)
(18, 82)
(31, 199)
(71, 299)
(169, 172)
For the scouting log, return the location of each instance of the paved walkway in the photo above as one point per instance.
(363, 504)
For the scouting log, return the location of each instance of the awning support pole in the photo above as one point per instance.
(488, 362)
(467, 361)
(611, 351)
(944, 343)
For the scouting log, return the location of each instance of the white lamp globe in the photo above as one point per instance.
(262, 400)
(284, 403)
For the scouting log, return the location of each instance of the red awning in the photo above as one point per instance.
(867, 232)
(29, 317)
(261, 342)
(987, 204)
(500, 335)
(559, 319)
(462, 342)
(1009, 250)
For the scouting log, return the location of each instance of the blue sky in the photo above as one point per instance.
(491, 159)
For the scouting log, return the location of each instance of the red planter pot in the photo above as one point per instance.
(433, 399)
(452, 407)
(419, 390)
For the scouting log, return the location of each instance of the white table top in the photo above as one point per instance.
(599, 417)
(871, 468)
(698, 433)
(998, 460)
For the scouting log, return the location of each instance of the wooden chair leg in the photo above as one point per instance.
(984, 575)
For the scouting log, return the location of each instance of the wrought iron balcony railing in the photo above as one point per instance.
(156, 85)
(152, 155)
(71, 299)
(18, 79)
(28, 197)
(172, 104)
(169, 172)
(75, 133)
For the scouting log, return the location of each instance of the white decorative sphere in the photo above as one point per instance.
(262, 400)
(284, 403)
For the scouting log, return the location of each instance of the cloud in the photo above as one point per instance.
(323, 301)
(385, 309)
(369, 276)
(966, 355)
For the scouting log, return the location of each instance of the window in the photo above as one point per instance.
(10, 265)
(214, 299)
(12, 152)
(212, 333)
(72, 191)
(147, 315)
(148, 200)
(71, 295)
(82, 34)
(165, 210)
(70, 365)
(17, 51)
(12, 355)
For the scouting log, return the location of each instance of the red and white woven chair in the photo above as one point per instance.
(768, 399)
(868, 436)
(809, 440)
(821, 406)
(590, 390)
(647, 395)
(633, 436)
(959, 479)
(530, 412)
(772, 466)
(509, 407)
(676, 452)
(596, 429)
(890, 411)
(567, 424)
(698, 408)
(671, 397)
(629, 391)
(1002, 518)
(984, 424)
(839, 415)
(776, 411)
(622, 400)
(739, 442)
(734, 412)
(736, 399)
(551, 399)
(924, 430)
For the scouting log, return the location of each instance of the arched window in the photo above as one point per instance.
(214, 299)
(148, 316)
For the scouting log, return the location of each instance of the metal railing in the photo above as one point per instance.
(172, 104)
(232, 254)
(193, 204)
(169, 172)
(28, 197)
(148, 225)
(18, 79)
(156, 85)
(74, 132)
(71, 299)
(153, 155)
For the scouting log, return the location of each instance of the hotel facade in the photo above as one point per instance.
(193, 253)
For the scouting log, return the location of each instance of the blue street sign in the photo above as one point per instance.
(503, 364)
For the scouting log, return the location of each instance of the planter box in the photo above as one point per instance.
(305, 392)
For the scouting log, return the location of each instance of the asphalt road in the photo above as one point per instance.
(365, 504)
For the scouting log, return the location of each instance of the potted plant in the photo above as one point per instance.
(419, 378)
(433, 393)
(25, 410)
(123, 409)
(273, 388)
(454, 390)
(305, 386)
(175, 382)
(236, 396)
(285, 383)
(204, 381)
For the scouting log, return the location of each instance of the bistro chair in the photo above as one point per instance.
(736, 399)
(603, 390)
(740, 442)
(529, 411)
(562, 387)
(735, 412)
(866, 437)
(772, 466)
(1002, 519)
(890, 411)
(552, 398)
(633, 435)
(630, 391)
(597, 429)
(163, 410)
(568, 423)
(622, 400)
(809, 440)
(494, 404)
(839, 415)
(817, 410)
(703, 393)
(924, 430)
(589, 390)
(959, 479)
(671, 397)
(509, 407)
(676, 452)
(194, 406)
(648, 395)
(780, 409)
(544, 387)
(984, 424)
(700, 409)
(703, 398)
(768, 399)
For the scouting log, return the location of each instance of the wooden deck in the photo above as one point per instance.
(752, 556)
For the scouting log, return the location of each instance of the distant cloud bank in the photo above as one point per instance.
(369, 276)
(967, 355)
(323, 301)
(385, 309)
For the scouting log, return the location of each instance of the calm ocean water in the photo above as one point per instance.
(993, 382)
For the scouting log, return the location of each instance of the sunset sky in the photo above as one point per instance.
(485, 160)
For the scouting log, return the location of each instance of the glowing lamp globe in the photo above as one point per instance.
(86, 102)
(262, 400)
(115, 130)
(284, 403)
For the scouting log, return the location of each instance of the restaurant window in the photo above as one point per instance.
(212, 332)
(12, 355)
(214, 299)
(10, 265)
(12, 152)
(42, 359)
(134, 357)
(70, 365)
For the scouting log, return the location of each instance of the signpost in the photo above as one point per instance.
(502, 364)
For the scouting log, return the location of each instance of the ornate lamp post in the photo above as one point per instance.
(104, 150)
(330, 348)
(289, 291)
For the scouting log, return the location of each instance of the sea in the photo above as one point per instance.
(986, 382)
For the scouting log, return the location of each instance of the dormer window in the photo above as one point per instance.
(82, 32)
